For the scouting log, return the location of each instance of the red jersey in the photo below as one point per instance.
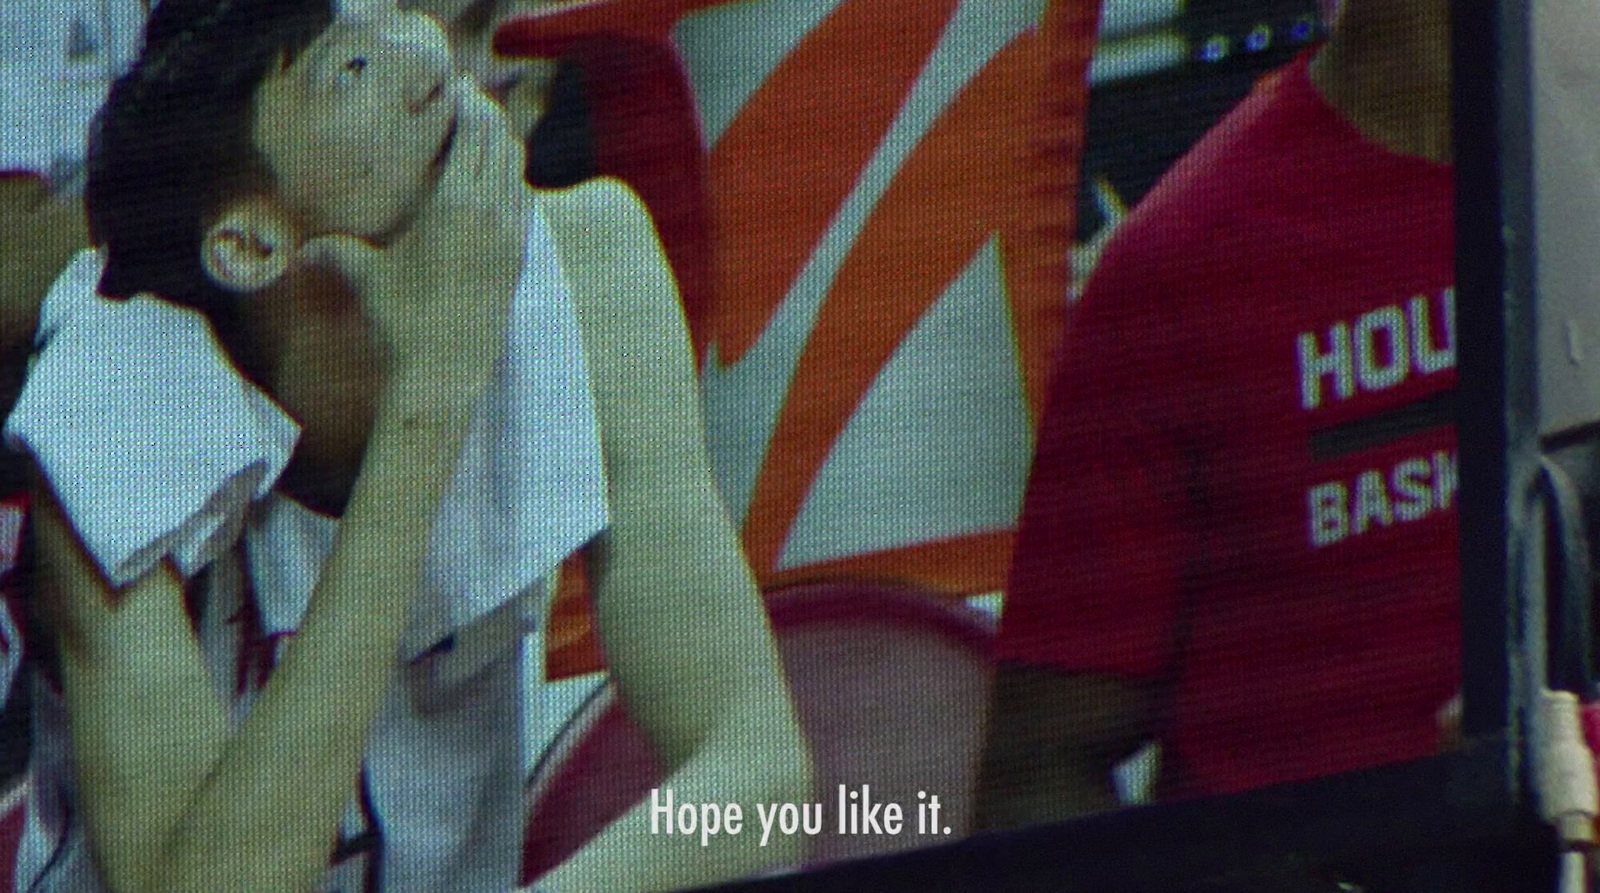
(1244, 488)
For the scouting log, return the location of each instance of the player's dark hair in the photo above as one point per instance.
(174, 143)
(561, 146)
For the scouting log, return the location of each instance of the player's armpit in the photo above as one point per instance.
(1052, 740)
(147, 726)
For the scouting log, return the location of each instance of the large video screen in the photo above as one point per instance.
(613, 445)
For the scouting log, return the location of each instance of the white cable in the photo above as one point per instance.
(1563, 768)
(1564, 782)
(1574, 873)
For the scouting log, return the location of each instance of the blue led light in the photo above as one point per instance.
(1302, 30)
(1215, 49)
(1259, 39)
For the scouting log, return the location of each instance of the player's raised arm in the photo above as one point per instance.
(676, 603)
(147, 724)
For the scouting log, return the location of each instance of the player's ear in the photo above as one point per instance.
(248, 247)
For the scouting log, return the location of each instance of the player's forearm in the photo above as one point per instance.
(742, 764)
(274, 797)
(145, 721)
(679, 611)
(694, 658)
(146, 726)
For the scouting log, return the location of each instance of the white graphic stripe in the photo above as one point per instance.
(730, 50)
(743, 401)
(939, 447)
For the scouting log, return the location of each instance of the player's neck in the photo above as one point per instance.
(323, 367)
(1387, 71)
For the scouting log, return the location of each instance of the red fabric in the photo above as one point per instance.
(647, 134)
(13, 821)
(1590, 715)
(976, 173)
(1168, 532)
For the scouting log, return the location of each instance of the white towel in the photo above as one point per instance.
(157, 448)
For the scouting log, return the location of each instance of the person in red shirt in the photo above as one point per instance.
(1240, 534)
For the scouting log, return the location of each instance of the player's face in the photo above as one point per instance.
(356, 127)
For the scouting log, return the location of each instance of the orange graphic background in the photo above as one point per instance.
(1002, 158)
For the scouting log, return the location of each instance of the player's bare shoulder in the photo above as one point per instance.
(603, 203)
(613, 258)
(635, 339)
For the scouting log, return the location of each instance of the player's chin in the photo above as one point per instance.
(446, 144)
(417, 197)
(392, 216)
(415, 170)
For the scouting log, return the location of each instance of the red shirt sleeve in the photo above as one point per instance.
(1103, 540)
